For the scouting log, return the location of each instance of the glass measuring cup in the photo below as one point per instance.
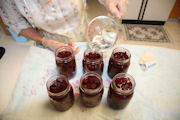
(102, 33)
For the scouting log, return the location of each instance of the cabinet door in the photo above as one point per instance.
(133, 9)
(158, 10)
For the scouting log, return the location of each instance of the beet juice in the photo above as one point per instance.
(60, 92)
(91, 89)
(120, 91)
(65, 62)
(119, 61)
(93, 61)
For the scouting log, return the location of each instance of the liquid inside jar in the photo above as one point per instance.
(120, 91)
(119, 62)
(65, 62)
(60, 92)
(93, 61)
(91, 89)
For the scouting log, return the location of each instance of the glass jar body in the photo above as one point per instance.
(65, 62)
(93, 61)
(91, 89)
(60, 92)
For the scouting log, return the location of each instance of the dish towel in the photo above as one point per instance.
(156, 95)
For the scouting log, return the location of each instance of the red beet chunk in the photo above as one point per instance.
(93, 56)
(123, 83)
(64, 54)
(91, 82)
(58, 85)
(121, 55)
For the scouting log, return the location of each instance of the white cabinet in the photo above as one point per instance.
(158, 10)
(154, 10)
(133, 9)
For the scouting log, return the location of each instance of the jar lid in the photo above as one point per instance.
(102, 32)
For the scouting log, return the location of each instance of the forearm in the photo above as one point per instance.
(32, 34)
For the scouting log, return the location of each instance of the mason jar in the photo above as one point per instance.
(65, 61)
(91, 89)
(120, 91)
(60, 92)
(119, 61)
(93, 61)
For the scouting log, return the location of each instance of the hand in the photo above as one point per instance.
(116, 7)
(76, 49)
(54, 45)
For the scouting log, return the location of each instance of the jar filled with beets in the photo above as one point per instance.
(93, 61)
(60, 92)
(120, 91)
(119, 61)
(65, 61)
(91, 89)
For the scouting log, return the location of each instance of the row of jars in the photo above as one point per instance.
(93, 61)
(91, 84)
(91, 91)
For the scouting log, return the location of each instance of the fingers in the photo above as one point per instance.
(123, 7)
(114, 9)
(120, 10)
(71, 44)
(77, 50)
(117, 8)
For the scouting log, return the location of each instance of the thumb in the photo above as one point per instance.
(76, 50)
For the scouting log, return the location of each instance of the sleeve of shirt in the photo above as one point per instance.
(12, 17)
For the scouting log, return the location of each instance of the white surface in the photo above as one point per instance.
(10, 66)
(157, 92)
(158, 10)
(133, 9)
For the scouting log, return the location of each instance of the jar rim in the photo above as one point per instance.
(94, 50)
(120, 91)
(62, 49)
(53, 78)
(124, 49)
(91, 91)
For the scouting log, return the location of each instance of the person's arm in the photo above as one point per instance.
(32, 34)
(19, 25)
(16, 22)
(11, 16)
